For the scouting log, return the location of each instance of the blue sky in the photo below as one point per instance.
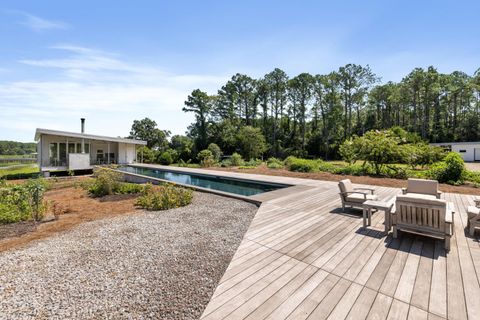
(115, 61)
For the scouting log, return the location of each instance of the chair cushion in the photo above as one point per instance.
(359, 198)
(420, 196)
(422, 186)
(345, 185)
(422, 199)
(472, 212)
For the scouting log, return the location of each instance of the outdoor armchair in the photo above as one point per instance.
(424, 216)
(423, 187)
(354, 197)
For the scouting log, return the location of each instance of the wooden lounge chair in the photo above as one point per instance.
(354, 197)
(422, 187)
(424, 216)
(473, 219)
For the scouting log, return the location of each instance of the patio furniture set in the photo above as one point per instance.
(419, 209)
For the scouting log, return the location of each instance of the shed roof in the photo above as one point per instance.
(41, 131)
(455, 143)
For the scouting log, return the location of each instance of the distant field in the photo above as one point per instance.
(15, 156)
(19, 170)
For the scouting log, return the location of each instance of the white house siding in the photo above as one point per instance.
(469, 152)
(126, 153)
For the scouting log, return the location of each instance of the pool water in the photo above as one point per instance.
(241, 187)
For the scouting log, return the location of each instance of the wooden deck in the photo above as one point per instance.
(302, 258)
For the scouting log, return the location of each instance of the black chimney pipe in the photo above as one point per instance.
(83, 124)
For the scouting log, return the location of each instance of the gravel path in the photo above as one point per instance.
(149, 265)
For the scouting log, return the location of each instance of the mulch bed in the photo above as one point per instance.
(71, 206)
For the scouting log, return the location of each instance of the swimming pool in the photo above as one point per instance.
(240, 187)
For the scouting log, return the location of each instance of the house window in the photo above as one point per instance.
(53, 153)
(462, 151)
(71, 148)
(79, 148)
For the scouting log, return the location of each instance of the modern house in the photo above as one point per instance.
(61, 150)
(470, 151)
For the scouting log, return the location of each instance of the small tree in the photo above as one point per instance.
(378, 148)
(215, 150)
(348, 151)
(147, 155)
(251, 142)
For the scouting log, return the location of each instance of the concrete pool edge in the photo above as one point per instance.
(139, 178)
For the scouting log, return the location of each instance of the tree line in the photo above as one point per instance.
(16, 148)
(311, 115)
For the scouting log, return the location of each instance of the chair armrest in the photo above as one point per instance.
(449, 216)
(369, 189)
(439, 194)
(352, 192)
(450, 221)
(404, 190)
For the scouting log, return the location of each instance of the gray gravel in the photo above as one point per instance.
(148, 265)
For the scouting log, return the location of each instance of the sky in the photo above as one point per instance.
(112, 62)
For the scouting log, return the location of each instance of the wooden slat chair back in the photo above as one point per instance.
(430, 217)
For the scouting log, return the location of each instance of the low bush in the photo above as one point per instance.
(187, 164)
(164, 197)
(451, 170)
(23, 202)
(253, 163)
(353, 170)
(165, 158)
(288, 160)
(206, 158)
(226, 163)
(236, 160)
(247, 167)
(108, 182)
(129, 188)
(303, 165)
(215, 150)
(274, 163)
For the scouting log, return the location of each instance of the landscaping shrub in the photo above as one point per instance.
(236, 160)
(129, 188)
(303, 165)
(164, 197)
(274, 163)
(253, 163)
(105, 183)
(451, 170)
(108, 182)
(326, 166)
(352, 170)
(188, 164)
(215, 150)
(22, 202)
(288, 160)
(206, 158)
(226, 163)
(165, 158)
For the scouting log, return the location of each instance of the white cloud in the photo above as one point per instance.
(110, 91)
(40, 24)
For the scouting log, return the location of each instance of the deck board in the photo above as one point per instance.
(303, 258)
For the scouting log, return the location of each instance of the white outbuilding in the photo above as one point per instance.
(470, 151)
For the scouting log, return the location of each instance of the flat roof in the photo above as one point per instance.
(454, 143)
(41, 131)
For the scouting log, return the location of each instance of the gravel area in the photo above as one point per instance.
(147, 265)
